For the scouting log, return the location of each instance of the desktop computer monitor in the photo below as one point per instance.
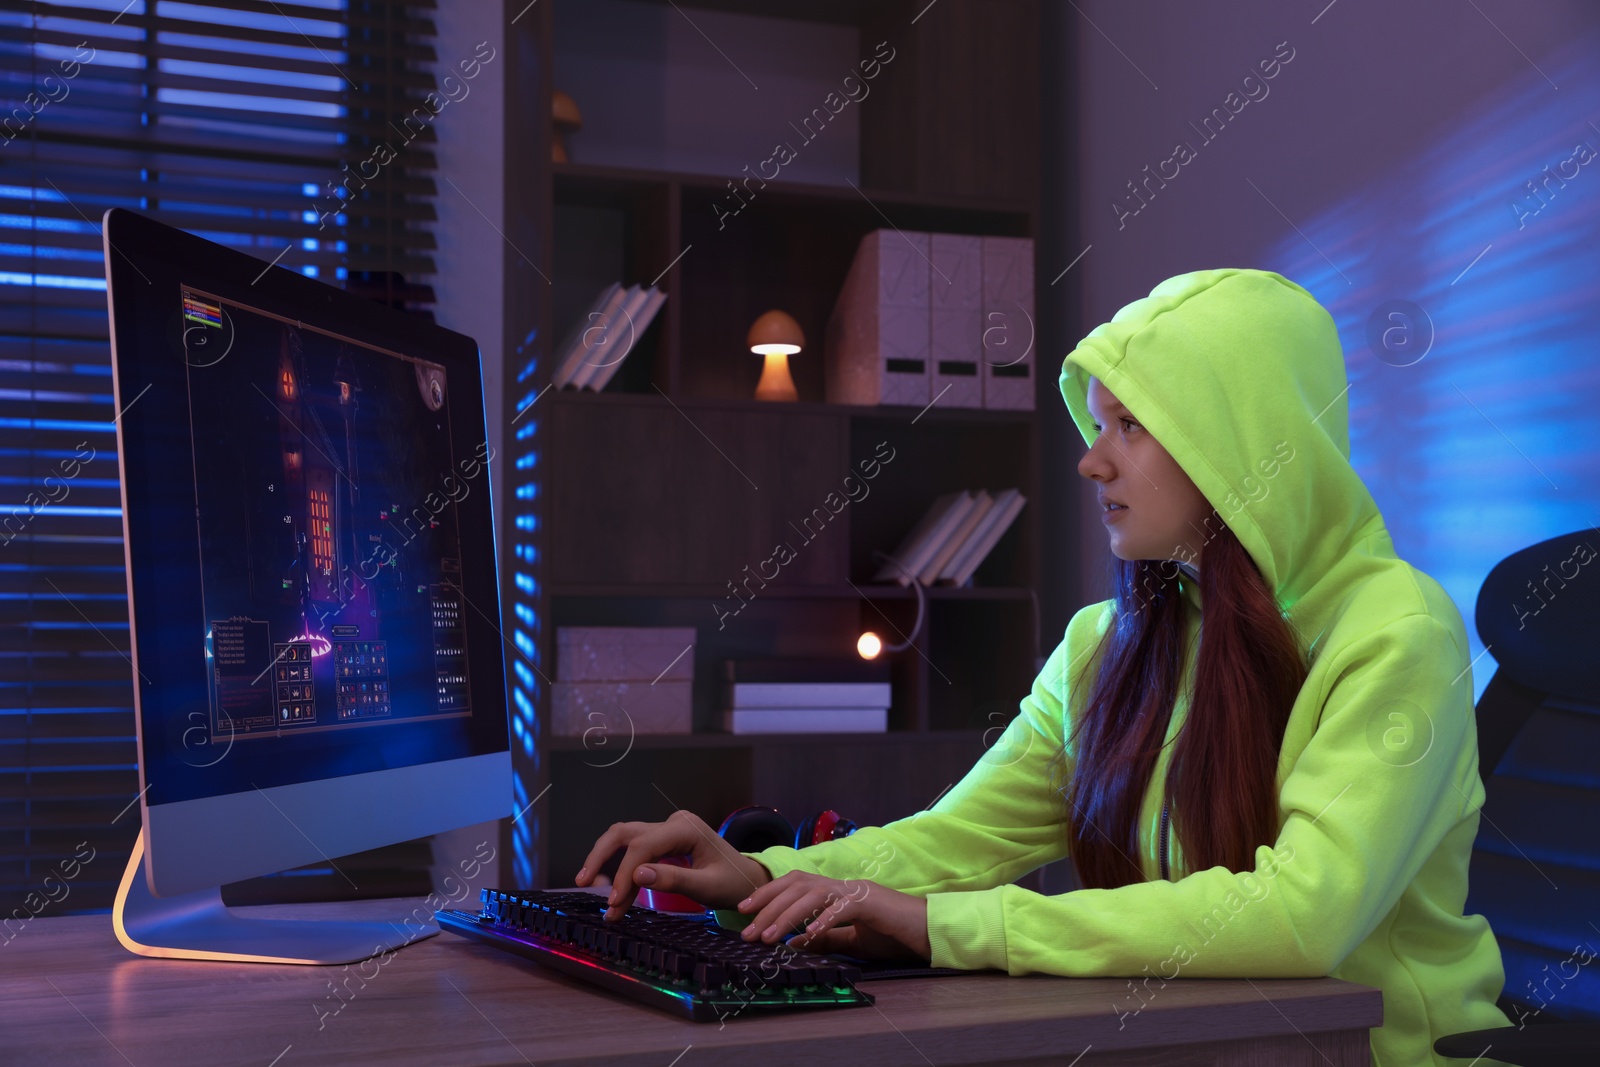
(312, 588)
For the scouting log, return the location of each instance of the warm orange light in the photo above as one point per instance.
(775, 336)
(869, 645)
(775, 383)
(321, 532)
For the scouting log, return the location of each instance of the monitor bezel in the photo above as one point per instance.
(397, 803)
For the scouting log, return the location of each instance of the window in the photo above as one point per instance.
(296, 132)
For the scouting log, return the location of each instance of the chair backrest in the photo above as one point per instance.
(1535, 871)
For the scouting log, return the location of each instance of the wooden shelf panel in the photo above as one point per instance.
(838, 12)
(792, 592)
(982, 664)
(890, 413)
(715, 740)
(575, 178)
(654, 493)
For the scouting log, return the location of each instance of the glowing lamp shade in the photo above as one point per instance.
(869, 645)
(775, 336)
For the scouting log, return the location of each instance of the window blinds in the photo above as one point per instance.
(253, 124)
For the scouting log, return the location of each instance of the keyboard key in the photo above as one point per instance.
(796, 975)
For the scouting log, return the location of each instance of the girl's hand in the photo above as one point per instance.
(853, 916)
(719, 874)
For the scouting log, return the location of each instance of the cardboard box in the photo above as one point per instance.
(876, 345)
(956, 332)
(608, 714)
(625, 653)
(1009, 329)
(934, 318)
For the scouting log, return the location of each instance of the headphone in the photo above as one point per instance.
(756, 827)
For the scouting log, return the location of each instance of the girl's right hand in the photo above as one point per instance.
(719, 877)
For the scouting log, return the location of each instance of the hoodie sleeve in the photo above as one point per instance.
(1000, 821)
(1387, 774)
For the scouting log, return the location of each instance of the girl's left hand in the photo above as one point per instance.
(883, 923)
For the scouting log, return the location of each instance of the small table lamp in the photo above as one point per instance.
(776, 336)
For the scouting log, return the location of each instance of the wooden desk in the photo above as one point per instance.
(73, 995)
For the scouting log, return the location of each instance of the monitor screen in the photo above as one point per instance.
(326, 494)
(310, 536)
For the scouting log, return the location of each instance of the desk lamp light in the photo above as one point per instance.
(776, 336)
(869, 645)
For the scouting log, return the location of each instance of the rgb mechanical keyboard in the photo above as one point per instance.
(689, 966)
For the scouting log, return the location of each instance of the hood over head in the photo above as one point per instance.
(1239, 375)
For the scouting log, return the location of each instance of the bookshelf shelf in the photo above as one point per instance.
(781, 592)
(790, 247)
(890, 413)
(723, 740)
(651, 500)
(581, 179)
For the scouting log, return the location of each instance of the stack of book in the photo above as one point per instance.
(780, 696)
(955, 535)
(599, 341)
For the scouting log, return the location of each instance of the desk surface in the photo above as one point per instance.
(72, 994)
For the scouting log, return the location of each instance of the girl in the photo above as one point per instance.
(1277, 779)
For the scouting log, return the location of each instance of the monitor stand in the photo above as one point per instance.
(198, 926)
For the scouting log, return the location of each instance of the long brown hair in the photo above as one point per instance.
(1222, 779)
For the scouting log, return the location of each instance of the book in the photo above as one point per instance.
(805, 720)
(809, 695)
(568, 352)
(924, 538)
(941, 532)
(606, 345)
(653, 299)
(996, 510)
(957, 539)
(572, 348)
(1005, 510)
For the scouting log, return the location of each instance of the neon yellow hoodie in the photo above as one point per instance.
(1239, 375)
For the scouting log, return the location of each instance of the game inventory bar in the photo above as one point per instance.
(297, 698)
(361, 674)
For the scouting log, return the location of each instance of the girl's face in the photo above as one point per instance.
(1162, 514)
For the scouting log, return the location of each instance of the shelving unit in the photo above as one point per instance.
(647, 503)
